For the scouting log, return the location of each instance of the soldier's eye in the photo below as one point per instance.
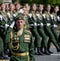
(21, 22)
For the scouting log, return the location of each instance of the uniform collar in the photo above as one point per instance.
(20, 32)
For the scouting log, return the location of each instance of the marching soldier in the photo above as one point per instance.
(2, 31)
(20, 41)
(11, 12)
(25, 15)
(3, 22)
(48, 31)
(18, 8)
(9, 24)
(40, 30)
(33, 23)
(54, 23)
(1, 39)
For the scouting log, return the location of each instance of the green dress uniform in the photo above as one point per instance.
(21, 45)
(41, 32)
(2, 30)
(10, 22)
(48, 31)
(54, 26)
(33, 28)
(2, 36)
(10, 16)
(4, 22)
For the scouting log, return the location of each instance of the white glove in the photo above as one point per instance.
(30, 15)
(35, 24)
(55, 25)
(48, 24)
(21, 11)
(38, 15)
(58, 18)
(51, 16)
(6, 25)
(14, 15)
(8, 14)
(1, 17)
(12, 25)
(41, 24)
(44, 16)
(38, 24)
(32, 24)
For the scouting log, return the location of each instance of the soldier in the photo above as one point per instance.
(1, 39)
(40, 30)
(33, 28)
(20, 41)
(2, 30)
(11, 12)
(48, 31)
(3, 12)
(27, 7)
(55, 18)
(18, 8)
(10, 22)
(2, 23)
(25, 14)
(11, 15)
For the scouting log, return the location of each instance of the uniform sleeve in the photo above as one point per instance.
(31, 50)
(7, 40)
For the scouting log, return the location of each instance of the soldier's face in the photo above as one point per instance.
(34, 7)
(3, 6)
(12, 7)
(56, 9)
(17, 6)
(20, 24)
(48, 8)
(27, 7)
(41, 7)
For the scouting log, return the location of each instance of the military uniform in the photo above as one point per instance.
(1, 36)
(41, 32)
(10, 20)
(48, 31)
(54, 26)
(21, 45)
(4, 24)
(33, 28)
(2, 30)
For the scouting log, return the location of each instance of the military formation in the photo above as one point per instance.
(27, 30)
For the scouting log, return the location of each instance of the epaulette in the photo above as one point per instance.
(28, 31)
(11, 34)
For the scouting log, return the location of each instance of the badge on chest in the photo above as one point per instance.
(27, 38)
(15, 43)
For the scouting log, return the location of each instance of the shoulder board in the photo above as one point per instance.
(28, 31)
(11, 34)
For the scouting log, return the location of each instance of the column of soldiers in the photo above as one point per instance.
(39, 21)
